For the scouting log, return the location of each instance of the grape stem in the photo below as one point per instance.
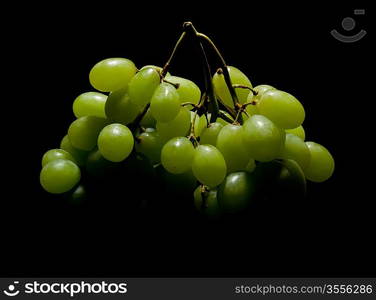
(167, 65)
(209, 96)
(192, 136)
(136, 123)
(240, 86)
(209, 101)
(228, 109)
(175, 85)
(223, 70)
(223, 116)
(204, 195)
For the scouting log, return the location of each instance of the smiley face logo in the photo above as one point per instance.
(11, 292)
(348, 24)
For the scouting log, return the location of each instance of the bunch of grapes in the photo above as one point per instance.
(233, 141)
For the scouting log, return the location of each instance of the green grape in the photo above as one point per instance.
(261, 89)
(281, 108)
(237, 77)
(296, 149)
(158, 69)
(79, 155)
(179, 126)
(262, 139)
(209, 166)
(209, 134)
(59, 176)
(165, 104)
(83, 132)
(90, 104)
(321, 166)
(280, 180)
(78, 196)
(98, 166)
(177, 155)
(119, 108)
(206, 202)
(290, 181)
(150, 144)
(236, 191)
(188, 91)
(252, 110)
(115, 142)
(298, 131)
(183, 184)
(112, 74)
(148, 121)
(53, 154)
(200, 123)
(230, 143)
(143, 85)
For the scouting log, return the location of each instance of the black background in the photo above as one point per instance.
(49, 51)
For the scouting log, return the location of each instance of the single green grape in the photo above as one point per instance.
(90, 104)
(188, 91)
(79, 155)
(297, 150)
(209, 166)
(150, 144)
(179, 126)
(281, 108)
(262, 138)
(298, 131)
(112, 74)
(78, 196)
(237, 77)
(54, 154)
(206, 202)
(230, 143)
(321, 166)
(142, 86)
(236, 191)
(84, 131)
(165, 104)
(209, 134)
(115, 142)
(59, 176)
(177, 155)
(119, 108)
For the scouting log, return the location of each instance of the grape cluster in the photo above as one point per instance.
(254, 145)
